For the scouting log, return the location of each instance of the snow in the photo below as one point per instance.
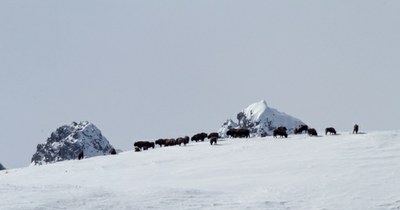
(344, 171)
(259, 112)
(256, 111)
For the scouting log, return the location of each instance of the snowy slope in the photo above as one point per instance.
(260, 118)
(330, 172)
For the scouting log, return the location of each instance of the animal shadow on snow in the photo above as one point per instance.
(218, 145)
(359, 133)
(319, 136)
(337, 134)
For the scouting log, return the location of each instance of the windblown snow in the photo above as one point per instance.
(344, 171)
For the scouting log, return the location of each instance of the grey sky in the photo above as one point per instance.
(150, 69)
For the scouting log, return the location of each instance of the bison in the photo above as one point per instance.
(355, 129)
(186, 140)
(213, 134)
(280, 131)
(160, 142)
(243, 133)
(113, 151)
(179, 141)
(199, 137)
(239, 133)
(282, 128)
(231, 132)
(312, 132)
(182, 140)
(80, 155)
(170, 142)
(330, 130)
(213, 140)
(139, 144)
(194, 138)
(144, 145)
(300, 129)
(151, 144)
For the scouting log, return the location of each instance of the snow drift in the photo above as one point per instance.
(69, 140)
(261, 119)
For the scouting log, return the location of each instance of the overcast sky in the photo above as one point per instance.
(152, 69)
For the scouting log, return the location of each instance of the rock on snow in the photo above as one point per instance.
(69, 140)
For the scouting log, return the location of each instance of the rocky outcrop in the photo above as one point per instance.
(2, 167)
(69, 140)
(261, 120)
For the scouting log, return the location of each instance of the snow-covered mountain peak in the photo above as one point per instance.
(69, 140)
(261, 119)
(256, 110)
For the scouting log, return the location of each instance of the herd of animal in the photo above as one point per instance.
(281, 131)
(144, 145)
(231, 133)
(214, 136)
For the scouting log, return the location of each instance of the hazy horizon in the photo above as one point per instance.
(151, 69)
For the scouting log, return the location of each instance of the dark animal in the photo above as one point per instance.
(202, 136)
(186, 140)
(179, 141)
(199, 137)
(355, 129)
(280, 131)
(182, 140)
(144, 145)
(242, 133)
(213, 140)
(213, 134)
(151, 144)
(300, 129)
(113, 151)
(312, 132)
(170, 142)
(80, 155)
(160, 142)
(330, 130)
(231, 132)
(282, 128)
(194, 138)
(139, 144)
(137, 149)
(265, 134)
